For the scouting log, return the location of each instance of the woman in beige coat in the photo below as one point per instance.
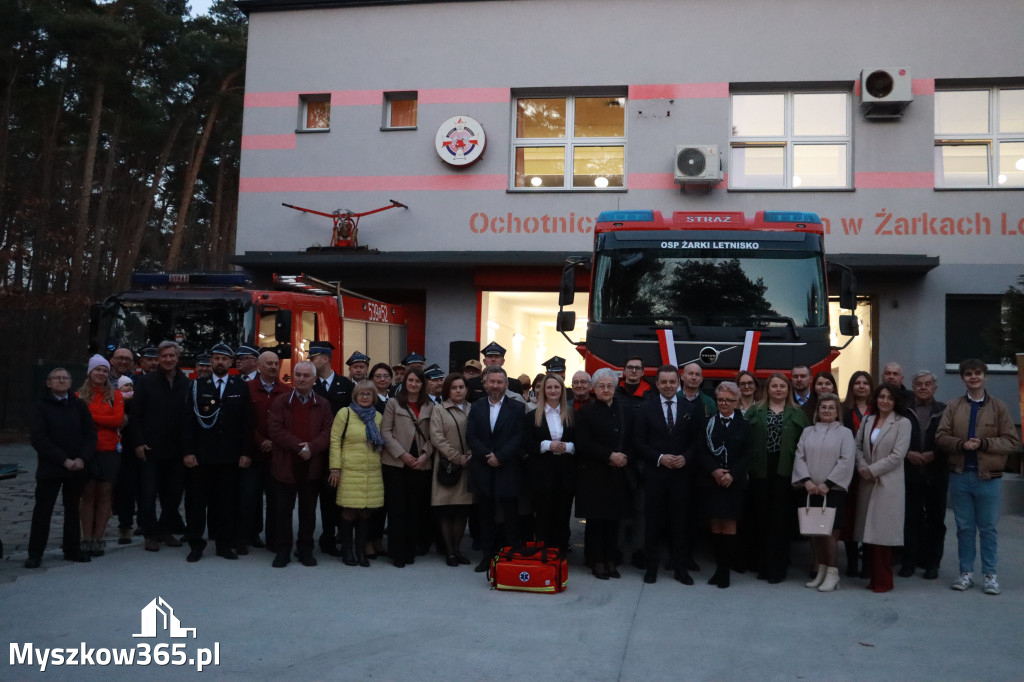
(407, 459)
(882, 443)
(448, 434)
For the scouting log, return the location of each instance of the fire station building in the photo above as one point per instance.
(503, 128)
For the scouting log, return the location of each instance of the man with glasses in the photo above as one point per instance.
(633, 387)
(64, 437)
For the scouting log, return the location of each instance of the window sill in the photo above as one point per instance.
(390, 128)
(978, 189)
(300, 131)
(790, 189)
(566, 190)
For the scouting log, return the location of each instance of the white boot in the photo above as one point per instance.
(831, 582)
(818, 578)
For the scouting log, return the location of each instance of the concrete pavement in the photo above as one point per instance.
(429, 621)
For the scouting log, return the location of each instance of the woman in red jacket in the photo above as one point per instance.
(106, 405)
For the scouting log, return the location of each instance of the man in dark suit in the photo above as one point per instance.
(494, 356)
(216, 434)
(665, 437)
(494, 433)
(338, 391)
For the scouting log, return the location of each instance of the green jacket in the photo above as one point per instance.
(794, 421)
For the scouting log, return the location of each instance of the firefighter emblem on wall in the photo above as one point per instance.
(460, 141)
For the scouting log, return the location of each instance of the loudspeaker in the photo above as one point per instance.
(461, 351)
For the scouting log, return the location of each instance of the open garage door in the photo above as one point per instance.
(524, 323)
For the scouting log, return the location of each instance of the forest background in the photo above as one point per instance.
(119, 151)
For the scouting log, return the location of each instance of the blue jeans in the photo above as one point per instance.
(976, 510)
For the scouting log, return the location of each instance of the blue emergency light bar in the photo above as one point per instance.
(196, 279)
(626, 217)
(791, 217)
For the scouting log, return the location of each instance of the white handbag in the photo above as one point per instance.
(816, 520)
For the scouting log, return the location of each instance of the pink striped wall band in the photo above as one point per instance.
(348, 98)
(896, 180)
(678, 91)
(268, 141)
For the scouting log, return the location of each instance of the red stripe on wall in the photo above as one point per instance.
(678, 91)
(350, 98)
(408, 183)
(906, 180)
(271, 99)
(661, 181)
(922, 86)
(355, 98)
(268, 141)
(465, 95)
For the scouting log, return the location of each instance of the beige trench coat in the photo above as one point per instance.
(448, 434)
(880, 501)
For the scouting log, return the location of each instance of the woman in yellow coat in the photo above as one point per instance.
(356, 443)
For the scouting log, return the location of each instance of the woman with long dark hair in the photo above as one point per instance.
(451, 502)
(855, 409)
(407, 460)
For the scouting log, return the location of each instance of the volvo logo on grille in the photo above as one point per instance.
(708, 355)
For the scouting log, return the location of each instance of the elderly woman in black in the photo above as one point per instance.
(551, 462)
(602, 496)
(726, 457)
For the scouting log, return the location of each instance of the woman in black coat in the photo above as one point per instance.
(551, 462)
(725, 457)
(602, 496)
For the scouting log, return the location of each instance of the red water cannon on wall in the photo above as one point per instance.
(346, 223)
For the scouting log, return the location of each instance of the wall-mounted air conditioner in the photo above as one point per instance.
(698, 164)
(885, 92)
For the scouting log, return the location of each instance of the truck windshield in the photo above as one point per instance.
(709, 288)
(195, 324)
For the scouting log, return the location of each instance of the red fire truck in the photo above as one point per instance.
(718, 288)
(199, 310)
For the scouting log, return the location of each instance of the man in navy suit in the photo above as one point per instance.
(216, 435)
(494, 435)
(665, 437)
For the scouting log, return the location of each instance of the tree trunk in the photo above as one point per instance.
(100, 234)
(187, 191)
(78, 255)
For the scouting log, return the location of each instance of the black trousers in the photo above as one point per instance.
(330, 516)
(487, 506)
(667, 494)
(252, 482)
(284, 503)
(211, 490)
(163, 478)
(601, 540)
(407, 501)
(125, 488)
(46, 498)
(924, 528)
(771, 520)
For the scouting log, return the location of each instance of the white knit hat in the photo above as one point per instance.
(125, 380)
(97, 361)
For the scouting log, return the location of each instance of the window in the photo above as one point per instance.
(790, 140)
(314, 113)
(399, 111)
(979, 138)
(972, 322)
(572, 142)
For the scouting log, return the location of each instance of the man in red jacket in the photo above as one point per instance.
(299, 426)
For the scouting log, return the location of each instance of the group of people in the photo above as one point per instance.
(650, 464)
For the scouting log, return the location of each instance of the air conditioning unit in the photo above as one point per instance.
(885, 92)
(698, 164)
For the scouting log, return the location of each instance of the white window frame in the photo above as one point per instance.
(569, 142)
(990, 140)
(403, 95)
(788, 140)
(304, 100)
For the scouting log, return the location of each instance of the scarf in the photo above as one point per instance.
(367, 414)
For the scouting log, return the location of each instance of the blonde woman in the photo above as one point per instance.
(107, 408)
(551, 462)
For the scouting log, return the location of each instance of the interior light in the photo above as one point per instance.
(601, 182)
(1020, 164)
(536, 182)
(491, 324)
(797, 181)
(1002, 178)
(518, 338)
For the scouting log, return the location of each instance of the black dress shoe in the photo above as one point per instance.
(483, 566)
(169, 540)
(452, 560)
(398, 563)
(256, 542)
(331, 550)
(464, 560)
(242, 550)
(776, 579)
(227, 554)
(194, 556)
(600, 573)
(692, 565)
(651, 575)
(931, 573)
(79, 557)
(281, 560)
(614, 572)
(907, 571)
(307, 559)
(683, 577)
(33, 562)
(639, 559)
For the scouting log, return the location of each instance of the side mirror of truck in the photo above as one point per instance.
(848, 325)
(566, 321)
(567, 290)
(847, 291)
